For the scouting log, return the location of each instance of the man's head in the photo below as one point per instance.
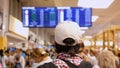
(67, 29)
(67, 37)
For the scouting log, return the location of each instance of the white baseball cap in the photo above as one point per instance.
(67, 29)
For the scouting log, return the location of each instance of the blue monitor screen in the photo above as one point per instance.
(80, 15)
(39, 16)
(50, 16)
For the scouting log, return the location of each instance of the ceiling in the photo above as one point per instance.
(107, 17)
(40, 3)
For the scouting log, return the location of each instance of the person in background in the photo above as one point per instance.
(81, 52)
(86, 51)
(106, 59)
(7, 55)
(52, 53)
(67, 45)
(11, 57)
(19, 59)
(42, 59)
(93, 58)
(119, 59)
(116, 58)
(28, 58)
(2, 60)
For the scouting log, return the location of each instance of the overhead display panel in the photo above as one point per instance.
(49, 17)
(39, 16)
(83, 16)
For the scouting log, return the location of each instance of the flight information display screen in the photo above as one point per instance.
(50, 16)
(39, 16)
(83, 16)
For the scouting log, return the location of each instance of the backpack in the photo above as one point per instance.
(83, 64)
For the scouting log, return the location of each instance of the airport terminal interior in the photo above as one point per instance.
(29, 24)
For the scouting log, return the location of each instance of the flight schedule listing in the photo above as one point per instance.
(39, 17)
(80, 15)
(50, 16)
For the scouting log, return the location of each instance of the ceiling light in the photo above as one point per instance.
(95, 3)
(10, 43)
(94, 18)
(88, 36)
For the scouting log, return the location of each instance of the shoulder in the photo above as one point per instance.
(86, 64)
(60, 63)
(47, 65)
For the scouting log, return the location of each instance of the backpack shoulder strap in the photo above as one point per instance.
(70, 64)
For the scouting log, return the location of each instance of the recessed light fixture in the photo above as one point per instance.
(95, 3)
(10, 43)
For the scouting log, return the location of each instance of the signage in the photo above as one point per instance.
(50, 16)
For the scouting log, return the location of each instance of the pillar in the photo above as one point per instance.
(104, 40)
(5, 17)
(108, 38)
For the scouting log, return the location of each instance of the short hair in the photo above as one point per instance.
(81, 46)
(68, 48)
